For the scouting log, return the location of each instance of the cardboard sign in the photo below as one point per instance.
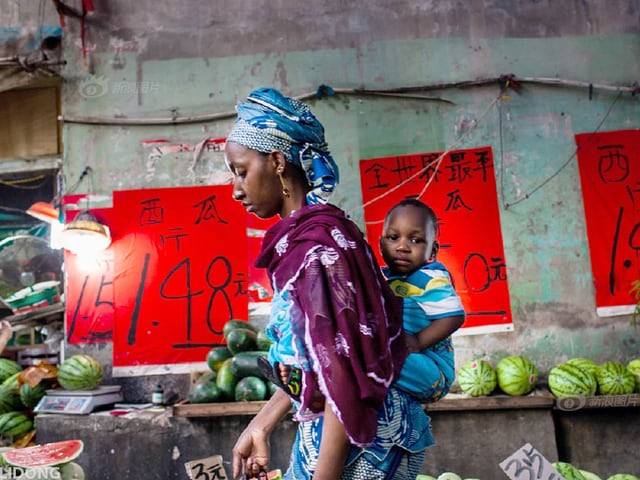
(461, 190)
(609, 164)
(529, 464)
(209, 468)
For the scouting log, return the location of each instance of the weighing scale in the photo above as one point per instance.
(79, 401)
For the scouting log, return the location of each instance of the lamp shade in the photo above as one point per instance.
(44, 211)
(85, 234)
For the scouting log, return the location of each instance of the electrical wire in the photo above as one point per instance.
(401, 92)
(505, 205)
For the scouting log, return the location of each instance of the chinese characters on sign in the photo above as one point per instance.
(461, 189)
(529, 464)
(181, 273)
(609, 164)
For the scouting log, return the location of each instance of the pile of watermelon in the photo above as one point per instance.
(581, 377)
(578, 377)
(571, 472)
(515, 375)
(22, 389)
(234, 375)
(567, 470)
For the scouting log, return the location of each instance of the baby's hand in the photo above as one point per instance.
(412, 343)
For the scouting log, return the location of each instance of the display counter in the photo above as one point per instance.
(473, 435)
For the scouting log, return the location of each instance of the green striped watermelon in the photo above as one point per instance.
(614, 379)
(14, 424)
(623, 476)
(585, 364)
(634, 367)
(568, 381)
(80, 372)
(8, 367)
(589, 475)
(11, 383)
(568, 471)
(517, 375)
(9, 400)
(30, 396)
(477, 378)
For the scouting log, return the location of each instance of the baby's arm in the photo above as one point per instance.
(438, 330)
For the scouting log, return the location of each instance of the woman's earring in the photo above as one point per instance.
(285, 190)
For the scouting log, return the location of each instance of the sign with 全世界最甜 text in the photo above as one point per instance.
(460, 187)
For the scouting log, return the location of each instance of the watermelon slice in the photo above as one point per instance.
(47, 455)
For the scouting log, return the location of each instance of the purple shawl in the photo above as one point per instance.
(345, 320)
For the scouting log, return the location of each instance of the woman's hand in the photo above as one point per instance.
(252, 451)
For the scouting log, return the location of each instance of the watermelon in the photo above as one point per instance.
(568, 471)
(71, 471)
(615, 379)
(449, 476)
(9, 400)
(80, 372)
(623, 476)
(263, 341)
(47, 455)
(8, 368)
(568, 381)
(250, 389)
(242, 340)
(584, 364)
(234, 323)
(226, 380)
(216, 356)
(589, 475)
(634, 367)
(477, 378)
(12, 383)
(517, 375)
(14, 424)
(205, 390)
(30, 396)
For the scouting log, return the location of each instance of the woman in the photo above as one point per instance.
(335, 324)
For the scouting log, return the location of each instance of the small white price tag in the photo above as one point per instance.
(209, 468)
(529, 464)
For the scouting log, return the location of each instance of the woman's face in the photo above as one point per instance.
(255, 182)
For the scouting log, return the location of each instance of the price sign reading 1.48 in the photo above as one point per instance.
(180, 273)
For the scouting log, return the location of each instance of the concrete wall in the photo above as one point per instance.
(470, 442)
(148, 62)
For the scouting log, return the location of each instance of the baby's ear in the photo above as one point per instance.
(434, 251)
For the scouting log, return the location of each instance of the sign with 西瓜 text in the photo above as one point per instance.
(609, 164)
(460, 187)
(180, 275)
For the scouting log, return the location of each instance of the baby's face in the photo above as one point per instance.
(407, 240)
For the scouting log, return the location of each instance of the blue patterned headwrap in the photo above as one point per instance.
(269, 121)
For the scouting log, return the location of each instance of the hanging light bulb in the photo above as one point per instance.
(85, 234)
